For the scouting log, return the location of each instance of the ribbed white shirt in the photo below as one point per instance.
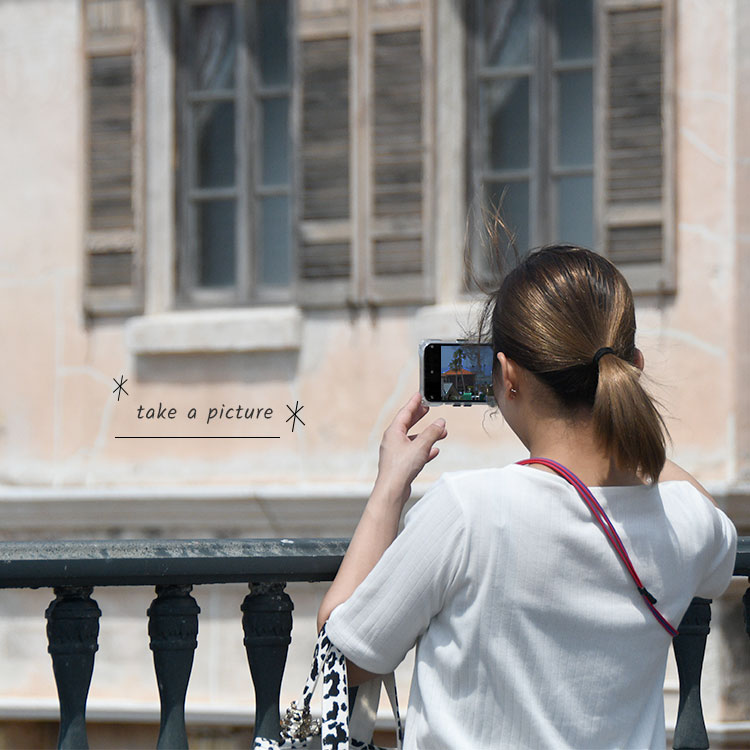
(529, 631)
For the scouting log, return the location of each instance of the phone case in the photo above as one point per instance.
(422, 346)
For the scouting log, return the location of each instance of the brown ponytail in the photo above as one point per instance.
(626, 420)
(551, 315)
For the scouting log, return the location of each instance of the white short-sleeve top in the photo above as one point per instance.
(530, 633)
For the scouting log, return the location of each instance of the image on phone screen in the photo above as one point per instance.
(457, 373)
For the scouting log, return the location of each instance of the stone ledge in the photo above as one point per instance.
(721, 734)
(219, 714)
(300, 510)
(225, 330)
(135, 712)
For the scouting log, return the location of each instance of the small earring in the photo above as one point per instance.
(513, 392)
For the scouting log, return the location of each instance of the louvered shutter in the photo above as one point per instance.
(113, 276)
(325, 259)
(399, 264)
(635, 169)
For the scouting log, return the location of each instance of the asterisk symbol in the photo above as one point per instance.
(295, 413)
(120, 388)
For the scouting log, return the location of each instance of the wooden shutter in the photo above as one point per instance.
(635, 166)
(113, 275)
(325, 255)
(398, 261)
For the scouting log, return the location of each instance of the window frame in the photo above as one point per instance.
(644, 278)
(542, 73)
(247, 191)
(359, 23)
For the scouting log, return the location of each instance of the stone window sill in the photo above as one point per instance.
(225, 330)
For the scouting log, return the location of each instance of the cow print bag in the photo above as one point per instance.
(336, 730)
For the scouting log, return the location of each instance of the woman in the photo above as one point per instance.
(529, 631)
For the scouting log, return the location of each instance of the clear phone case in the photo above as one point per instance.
(422, 346)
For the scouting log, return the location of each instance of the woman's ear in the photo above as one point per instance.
(638, 360)
(509, 377)
(503, 362)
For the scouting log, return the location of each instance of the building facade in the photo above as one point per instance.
(267, 204)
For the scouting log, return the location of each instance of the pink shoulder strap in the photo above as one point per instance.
(610, 532)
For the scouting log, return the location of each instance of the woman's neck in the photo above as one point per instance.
(573, 444)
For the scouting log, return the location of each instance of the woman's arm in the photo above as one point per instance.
(672, 471)
(376, 529)
(402, 457)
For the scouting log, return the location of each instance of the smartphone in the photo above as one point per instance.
(455, 372)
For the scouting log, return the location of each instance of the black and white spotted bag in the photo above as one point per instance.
(336, 730)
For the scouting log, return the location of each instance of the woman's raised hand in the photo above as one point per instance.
(403, 456)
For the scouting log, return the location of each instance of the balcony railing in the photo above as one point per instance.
(73, 569)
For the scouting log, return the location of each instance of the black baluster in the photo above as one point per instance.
(267, 623)
(689, 648)
(173, 630)
(72, 631)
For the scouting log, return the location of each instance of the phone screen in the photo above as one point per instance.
(457, 373)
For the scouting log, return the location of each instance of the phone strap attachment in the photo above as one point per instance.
(609, 531)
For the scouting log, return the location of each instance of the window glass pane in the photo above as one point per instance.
(507, 32)
(273, 17)
(575, 210)
(275, 141)
(514, 210)
(506, 106)
(576, 108)
(213, 46)
(216, 235)
(275, 240)
(575, 29)
(213, 124)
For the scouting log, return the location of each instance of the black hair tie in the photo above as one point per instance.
(600, 353)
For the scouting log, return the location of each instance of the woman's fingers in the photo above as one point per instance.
(401, 461)
(405, 419)
(439, 437)
(434, 432)
(409, 414)
(423, 444)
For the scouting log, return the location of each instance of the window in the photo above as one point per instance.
(569, 114)
(233, 103)
(534, 113)
(365, 159)
(301, 153)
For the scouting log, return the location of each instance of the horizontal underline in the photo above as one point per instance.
(197, 437)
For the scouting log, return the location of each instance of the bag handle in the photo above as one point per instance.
(609, 531)
(364, 712)
(337, 729)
